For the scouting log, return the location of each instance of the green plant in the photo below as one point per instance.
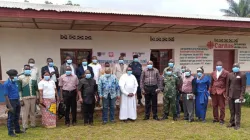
(247, 97)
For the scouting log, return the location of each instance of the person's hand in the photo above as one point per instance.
(41, 101)
(11, 109)
(157, 90)
(143, 92)
(80, 100)
(241, 98)
(22, 103)
(130, 95)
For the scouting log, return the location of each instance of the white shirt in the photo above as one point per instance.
(48, 88)
(218, 74)
(85, 67)
(53, 77)
(96, 70)
(72, 68)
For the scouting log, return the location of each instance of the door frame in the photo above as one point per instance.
(0, 69)
(73, 49)
(171, 53)
(234, 51)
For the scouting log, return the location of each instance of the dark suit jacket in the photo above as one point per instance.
(218, 86)
(236, 85)
(63, 68)
(80, 72)
(46, 68)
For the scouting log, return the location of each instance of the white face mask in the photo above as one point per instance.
(32, 65)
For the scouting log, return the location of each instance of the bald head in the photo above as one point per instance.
(219, 63)
(150, 62)
(236, 65)
(171, 61)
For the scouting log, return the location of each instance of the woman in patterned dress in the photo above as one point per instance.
(48, 95)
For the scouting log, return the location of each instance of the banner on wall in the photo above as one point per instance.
(113, 56)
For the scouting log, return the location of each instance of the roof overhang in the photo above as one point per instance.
(19, 18)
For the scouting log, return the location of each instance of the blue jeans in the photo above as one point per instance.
(178, 104)
(108, 105)
(13, 117)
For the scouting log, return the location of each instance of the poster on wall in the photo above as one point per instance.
(244, 56)
(113, 56)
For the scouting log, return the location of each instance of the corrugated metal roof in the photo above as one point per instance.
(79, 9)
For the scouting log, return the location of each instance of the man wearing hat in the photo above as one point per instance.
(136, 71)
(12, 102)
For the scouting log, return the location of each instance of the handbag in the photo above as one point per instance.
(61, 110)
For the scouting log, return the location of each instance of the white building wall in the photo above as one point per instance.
(18, 45)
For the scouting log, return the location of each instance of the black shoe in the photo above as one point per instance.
(13, 135)
(186, 119)
(221, 122)
(19, 132)
(165, 117)
(175, 118)
(146, 118)
(140, 103)
(156, 118)
(125, 121)
(192, 120)
(230, 125)
(215, 121)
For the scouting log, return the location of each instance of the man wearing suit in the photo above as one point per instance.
(236, 87)
(218, 92)
(68, 62)
(81, 70)
(52, 69)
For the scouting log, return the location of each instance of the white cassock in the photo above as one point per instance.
(128, 84)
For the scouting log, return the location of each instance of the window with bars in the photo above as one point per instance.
(160, 58)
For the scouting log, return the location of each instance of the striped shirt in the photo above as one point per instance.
(150, 78)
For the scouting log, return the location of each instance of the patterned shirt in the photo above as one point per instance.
(187, 84)
(108, 85)
(170, 86)
(27, 87)
(150, 78)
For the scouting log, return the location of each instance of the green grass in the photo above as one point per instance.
(142, 130)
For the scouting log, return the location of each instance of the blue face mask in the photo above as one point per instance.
(69, 61)
(199, 74)
(68, 72)
(46, 78)
(236, 69)
(171, 65)
(15, 79)
(136, 60)
(88, 76)
(187, 73)
(94, 61)
(218, 68)
(129, 72)
(27, 72)
(169, 72)
(51, 64)
(107, 75)
(121, 62)
(149, 66)
(84, 63)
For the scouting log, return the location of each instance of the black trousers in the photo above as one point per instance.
(235, 112)
(88, 112)
(150, 100)
(139, 96)
(69, 98)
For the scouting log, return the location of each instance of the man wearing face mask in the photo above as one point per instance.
(171, 84)
(68, 62)
(28, 91)
(12, 102)
(109, 92)
(218, 92)
(176, 73)
(120, 68)
(81, 70)
(136, 71)
(53, 70)
(151, 86)
(235, 89)
(68, 87)
(128, 85)
(34, 70)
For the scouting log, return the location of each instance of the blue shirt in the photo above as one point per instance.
(11, 89)
(108, 85)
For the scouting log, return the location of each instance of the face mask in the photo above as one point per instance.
(84, 63)
(129, 72)
(94, 61)
(171, 65)
(199, 74)
(46, 78)
(136, 60)
(51, 64)
(121, 61)
(182, 70)
(169, 72)
(107, 75)
(218, 68)
(69, 61)
(27, 72)
(236, 69)
(88, 76)
(15, 79)
(68, 72)
(187, 74)
(149, 66)
(31, 65)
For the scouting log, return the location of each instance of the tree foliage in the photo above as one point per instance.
(241, 9)
(70, 3)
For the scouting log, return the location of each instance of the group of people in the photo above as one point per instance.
(119, 85)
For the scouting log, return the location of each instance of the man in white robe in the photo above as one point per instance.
(128, 85)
